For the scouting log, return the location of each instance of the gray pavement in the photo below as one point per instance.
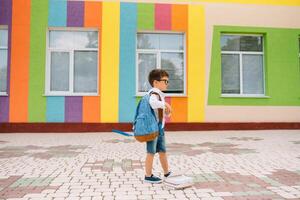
(225, 165)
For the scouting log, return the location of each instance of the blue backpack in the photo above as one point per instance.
(145, 125)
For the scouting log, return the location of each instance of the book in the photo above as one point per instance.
(179, 182)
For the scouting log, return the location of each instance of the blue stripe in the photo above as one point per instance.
(128, 27)
(57, 13)
(57, 18)
(55, 109)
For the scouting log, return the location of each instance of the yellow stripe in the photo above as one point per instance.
(196, 63)
(258, 2)
(110, 61)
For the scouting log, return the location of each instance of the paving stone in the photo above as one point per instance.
(228, 165)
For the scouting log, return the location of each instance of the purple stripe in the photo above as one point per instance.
(73, 109)
(4, 109)
(5, 11)
(75, 18)
(5, 18)
(75, 13)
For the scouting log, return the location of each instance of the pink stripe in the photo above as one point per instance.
(162, 17)
(168, 100)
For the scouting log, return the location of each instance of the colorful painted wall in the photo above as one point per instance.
(28, 22)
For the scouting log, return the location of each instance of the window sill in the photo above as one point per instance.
(3, 95)
(244, 96)
(166, 95)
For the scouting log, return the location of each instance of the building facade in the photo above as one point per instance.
(87, 61)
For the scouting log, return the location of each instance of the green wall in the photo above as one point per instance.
(38, 29)
(281, 66)
(145, 16)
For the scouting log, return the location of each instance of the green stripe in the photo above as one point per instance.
(38, 28)
(145, 21)
(145, 16)
(137, 100)
(281, 65)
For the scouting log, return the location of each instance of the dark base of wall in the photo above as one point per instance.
(107, 127)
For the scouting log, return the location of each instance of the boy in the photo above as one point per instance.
(159, 80)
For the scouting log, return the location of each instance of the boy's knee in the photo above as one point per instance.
(150, 154)
(162, 153)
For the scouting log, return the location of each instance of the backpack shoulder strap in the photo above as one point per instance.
(160, 110)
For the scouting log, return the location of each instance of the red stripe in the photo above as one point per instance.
(163, 17)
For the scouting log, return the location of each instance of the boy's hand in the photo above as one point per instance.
(168, 109)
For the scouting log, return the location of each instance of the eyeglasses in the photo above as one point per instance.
(165, 80)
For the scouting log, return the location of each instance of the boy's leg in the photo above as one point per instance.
(164, 162)
(150, 178)
(161, 147)
(151, 150)
(149, 164)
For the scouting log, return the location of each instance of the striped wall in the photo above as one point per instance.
(147, 17)
(117, 24)
(28, 22)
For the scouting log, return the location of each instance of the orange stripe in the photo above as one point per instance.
(168, 100)
(92, 18)
(180, 23)
(92, 14)
(19, 74)
(179, 106)
(179, 17)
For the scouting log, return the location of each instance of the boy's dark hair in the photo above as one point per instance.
(156, 74)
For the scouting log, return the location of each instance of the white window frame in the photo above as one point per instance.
(5, 48)
(71, 92)
(240, 54)
(158, 61)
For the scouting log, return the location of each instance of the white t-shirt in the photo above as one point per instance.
(155, 103)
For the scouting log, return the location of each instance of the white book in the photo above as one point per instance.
(179, 181)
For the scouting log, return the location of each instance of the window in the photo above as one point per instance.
(3, 60)
(242, 65)
(161, 51)
(72, 67)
